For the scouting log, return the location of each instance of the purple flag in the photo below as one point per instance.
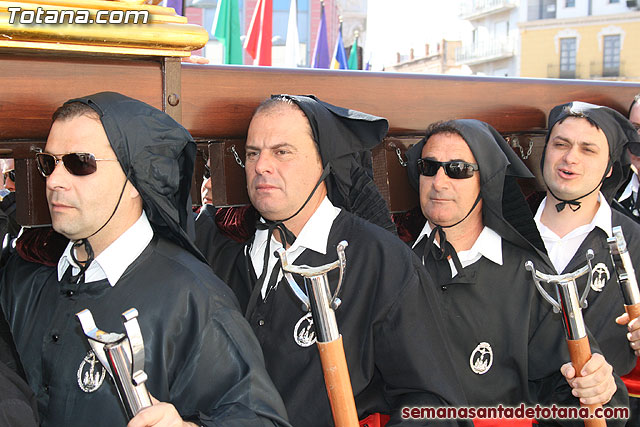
(321, 57)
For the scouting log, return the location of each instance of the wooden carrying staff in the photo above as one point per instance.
(625, 273)
(570, 305)
(322, 306)
(122, 355)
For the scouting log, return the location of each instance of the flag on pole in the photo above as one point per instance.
(227, 29)
(321, 52)
(339, 59)
(368, 66)
(292, 47)
(353, 55)
(258, 41)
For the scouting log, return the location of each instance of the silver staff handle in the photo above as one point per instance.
(570, 305)
(122, 355)
(625, 271)
(329, 341)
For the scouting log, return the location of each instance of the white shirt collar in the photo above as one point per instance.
(314, 236)
(602, 219)
(632, 187)
(488, 245)
(116, 258)
(561, 250)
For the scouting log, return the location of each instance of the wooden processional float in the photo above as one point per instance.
(43, 65)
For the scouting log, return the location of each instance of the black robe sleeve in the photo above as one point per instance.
(200, 353)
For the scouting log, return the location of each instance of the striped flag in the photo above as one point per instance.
(339, 61)
(258, 41)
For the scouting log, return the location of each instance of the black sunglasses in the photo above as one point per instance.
(79, 164)
(207, 173)
(455, 169)
(11, 174)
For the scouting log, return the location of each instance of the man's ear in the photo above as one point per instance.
(610, 170)
(133, 192)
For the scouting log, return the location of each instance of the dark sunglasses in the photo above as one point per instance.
(455, 169)
(79, 164)
(11, 174)
(207, 173)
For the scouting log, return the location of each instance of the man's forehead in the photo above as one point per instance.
(82, 129)
(579, 130)
(283, 111)
(284, 126)
(447, 141)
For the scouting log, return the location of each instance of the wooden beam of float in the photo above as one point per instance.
(217, 101)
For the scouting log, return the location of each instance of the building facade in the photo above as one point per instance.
(583, 39)
(441, 60)
(491, 48)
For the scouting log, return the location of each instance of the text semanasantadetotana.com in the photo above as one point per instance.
(513, 412)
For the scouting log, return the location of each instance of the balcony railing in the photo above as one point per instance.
(554, 71)
(474, 9)
(486, 51)
(598, 71)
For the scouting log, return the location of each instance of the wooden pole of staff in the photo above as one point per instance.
(580, 353)
(338, 382)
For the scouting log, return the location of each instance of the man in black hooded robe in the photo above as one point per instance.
(126, 209)
(583, 164)
(627, 199)
(309, 177)
(508, 347)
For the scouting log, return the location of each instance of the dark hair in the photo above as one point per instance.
(73, 110)
(636, 100)
(442, 127)
(580, 115)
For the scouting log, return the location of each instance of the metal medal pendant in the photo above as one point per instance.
(481, 358)
(90, 373)
(304, 334)
(600, 277)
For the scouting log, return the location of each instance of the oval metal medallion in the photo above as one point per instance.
(90, 373)
(304, 334)
(600, 277)
(481, 358)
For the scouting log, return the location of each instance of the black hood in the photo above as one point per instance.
(618, 130)
(504, 208)
(157, 154)
(345, 139)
